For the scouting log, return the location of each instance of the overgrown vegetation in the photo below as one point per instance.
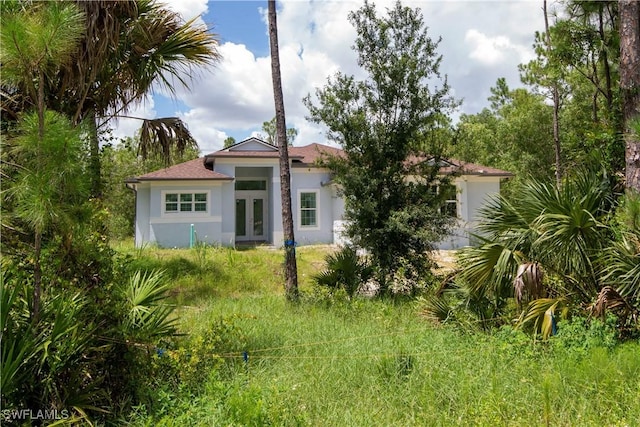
(89, 333)
(78, 328)
(333, 360)
(344, 270)
(584, 241)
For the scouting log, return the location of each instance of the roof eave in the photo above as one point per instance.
(227, 155)
(182, 179)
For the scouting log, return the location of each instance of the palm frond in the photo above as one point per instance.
(159, 136)
(489, 269)
(622, 266)
(610, 300)
(146, 313)
(18, 347)
(436, 308)
(344, 269)
(541, 313)
(178, 52)
(528, 282)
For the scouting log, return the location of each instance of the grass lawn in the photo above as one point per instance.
(330, 362)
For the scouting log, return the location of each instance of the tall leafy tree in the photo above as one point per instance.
(389, 172)
(290, 265)
(630, 86)
(578, 56)
(555, 96)
(515, 134)
(270, 133)
(546, 73)
(587, 42)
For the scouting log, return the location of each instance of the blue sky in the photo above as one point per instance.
(482, 40)
(239, 22)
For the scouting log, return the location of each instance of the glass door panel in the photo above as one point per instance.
(241, 217)
(258, 217)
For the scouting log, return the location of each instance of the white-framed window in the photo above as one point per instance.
(309, 217)
(451, 199)
(185, 202)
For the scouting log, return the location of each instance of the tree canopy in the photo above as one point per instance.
(389, 173)
(270, 133)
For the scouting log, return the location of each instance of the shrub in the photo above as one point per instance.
(579, 335)
(49, 364)
(345, 270)
(184, 366)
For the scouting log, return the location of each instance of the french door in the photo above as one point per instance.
(251, 216)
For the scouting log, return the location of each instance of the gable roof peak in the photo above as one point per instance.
(253, 144)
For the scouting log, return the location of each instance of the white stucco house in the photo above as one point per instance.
(232, 196)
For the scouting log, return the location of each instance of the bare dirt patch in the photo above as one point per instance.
(446, 260)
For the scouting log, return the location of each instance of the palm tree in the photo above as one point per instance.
(291, 269)
(620, 265)
(561, 230)
(127, 48)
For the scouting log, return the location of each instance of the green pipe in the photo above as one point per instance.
(192, 236)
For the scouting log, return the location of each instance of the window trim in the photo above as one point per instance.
(448, 202)
(317, 210)
(180, 213)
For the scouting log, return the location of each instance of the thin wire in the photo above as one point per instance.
(350, 356)
(240, 353)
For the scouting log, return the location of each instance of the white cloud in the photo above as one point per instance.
(481, 41)
(189, 9)
(494, 50)
(236, 93)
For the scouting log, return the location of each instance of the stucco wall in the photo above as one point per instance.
(480, 190)
(142, 235)
(174, 229)
(305, 180)
(473, 192)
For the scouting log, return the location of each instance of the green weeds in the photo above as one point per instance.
(369, 361)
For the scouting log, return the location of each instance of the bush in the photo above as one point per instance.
(185, 366)
(51, 364)
(514, 342)
(345, 270)
(579, 335)
(408, 280)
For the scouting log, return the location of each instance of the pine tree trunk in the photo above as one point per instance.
(556, 104)
(291, 270)
(630, 86)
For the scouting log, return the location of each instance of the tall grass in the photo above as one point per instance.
(336, 362)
